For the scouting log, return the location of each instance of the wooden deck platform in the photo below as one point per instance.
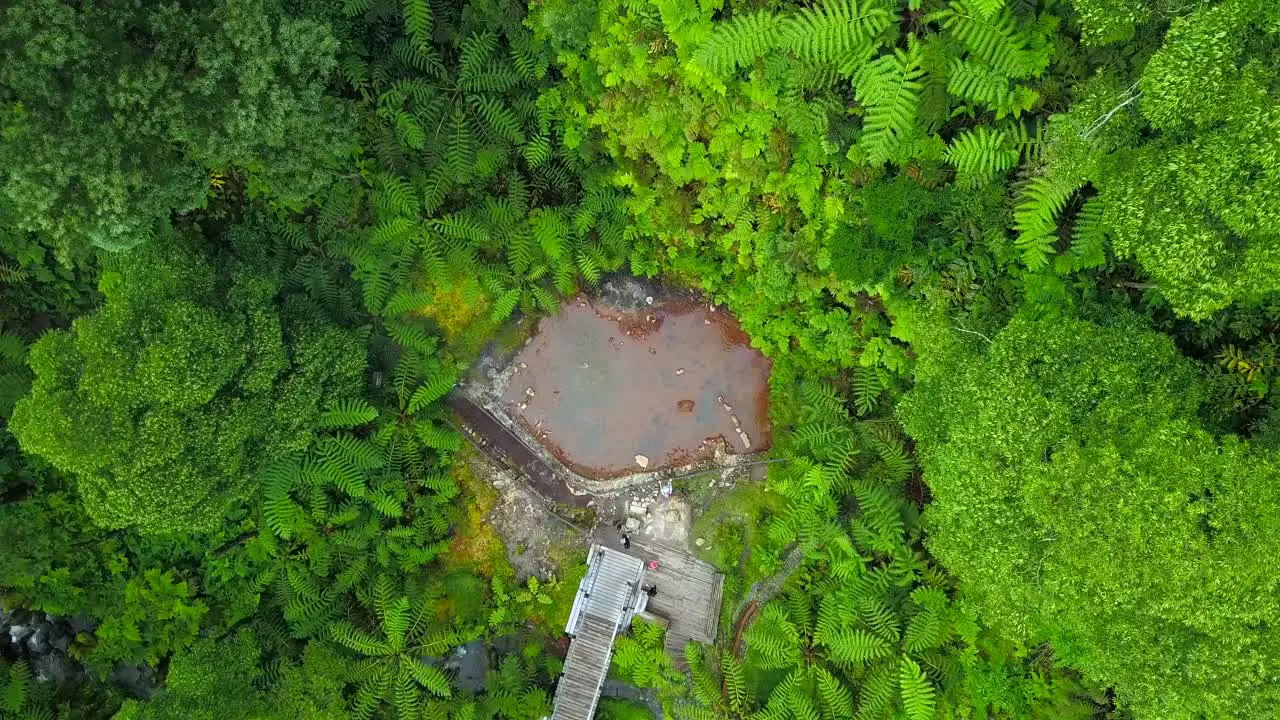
(688, 595)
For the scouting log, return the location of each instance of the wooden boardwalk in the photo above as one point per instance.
(606, 599)
(584, 670)
(500, 441)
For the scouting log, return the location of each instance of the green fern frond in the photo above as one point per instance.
(498, 118)
(462, 228)
(996, 39)
(867, 384)
(1035, 217)
(889, 89)
(855, 647)
(12, 273)
(877, 693)
(505, 304)
(395, 623)
(918, 694)
(442, 485)
(537, 152)
(843, 33)
(1088, 239)
(823, 401)
(360, 453)
(737, 42)
(395, 196)
(433, 679)
(735, 680)
(353, 638)
(417, 21)
(405, 301)
(435, 387)
(350, 412)
(460, 150)
(18, 687)
(835, 698)
(437, 437)
(412, 337)
(590, 268)
(422, 58)
(925, 630)
(551, 230)
(979, 84)
(980, 154)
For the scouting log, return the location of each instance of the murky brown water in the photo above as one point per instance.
(599, 387)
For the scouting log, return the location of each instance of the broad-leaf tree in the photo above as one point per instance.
(1078, 498)
(113, 115)
(166, 402)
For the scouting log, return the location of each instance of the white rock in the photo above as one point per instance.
(679, 371)
(706, 322)
(649, 300)
(642, 461)
(699, 542)
(524, 366)
(746, 441)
